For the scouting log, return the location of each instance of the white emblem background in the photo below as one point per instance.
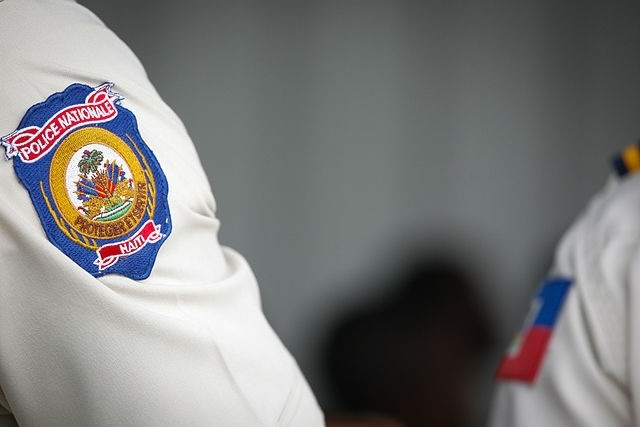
(73, 171)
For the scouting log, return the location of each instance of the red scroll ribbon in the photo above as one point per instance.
(109, 254)
(33, 142)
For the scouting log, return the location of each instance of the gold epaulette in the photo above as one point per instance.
(628, 161)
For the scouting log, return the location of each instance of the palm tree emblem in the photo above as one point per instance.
(90, 161)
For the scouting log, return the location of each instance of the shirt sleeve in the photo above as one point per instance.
(583, 376)
(186, 345)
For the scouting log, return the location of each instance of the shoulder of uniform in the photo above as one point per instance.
(614, 212)
(617, 206)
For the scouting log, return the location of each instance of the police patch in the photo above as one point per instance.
(98, 189)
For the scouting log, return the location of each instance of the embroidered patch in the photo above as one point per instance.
(524, 357)
(98, 189)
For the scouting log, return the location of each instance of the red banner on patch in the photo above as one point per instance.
(109, 254)
(33, 142)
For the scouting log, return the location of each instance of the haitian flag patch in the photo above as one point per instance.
(524, 357)
(98, 189)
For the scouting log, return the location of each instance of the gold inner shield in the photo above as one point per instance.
(58, 184)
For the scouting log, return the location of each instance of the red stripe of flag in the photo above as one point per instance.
(525, 363)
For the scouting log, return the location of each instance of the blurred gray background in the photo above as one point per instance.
(339, 136)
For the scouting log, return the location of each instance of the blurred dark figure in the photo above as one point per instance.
(413, 356)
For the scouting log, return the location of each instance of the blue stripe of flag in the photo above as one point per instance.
(552, 294)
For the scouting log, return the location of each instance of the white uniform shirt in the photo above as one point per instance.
(188, 345)
(587, 374)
